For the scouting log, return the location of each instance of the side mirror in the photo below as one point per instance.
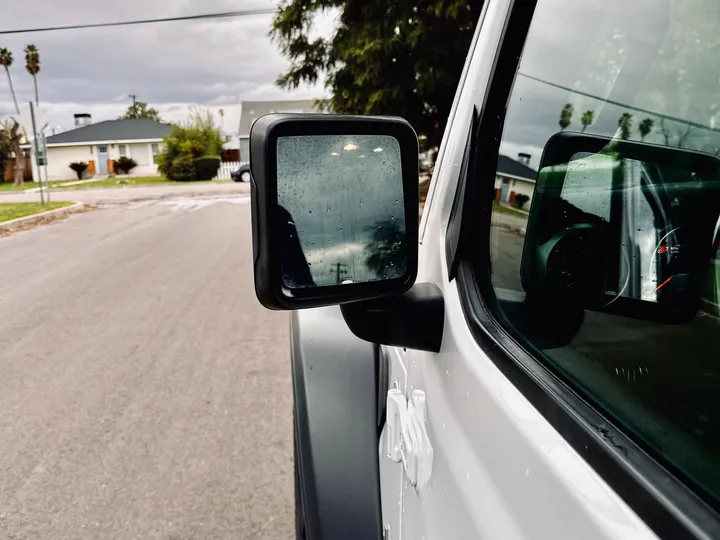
(622, 227)
(334, 208)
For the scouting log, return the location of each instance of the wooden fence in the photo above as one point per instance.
(226, 168)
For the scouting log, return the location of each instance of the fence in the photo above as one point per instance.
(228, 167)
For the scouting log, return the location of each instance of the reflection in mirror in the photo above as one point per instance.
(340, 209)
(635, 226)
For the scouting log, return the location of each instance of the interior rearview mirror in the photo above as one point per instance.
(623, 227)
(334, 207)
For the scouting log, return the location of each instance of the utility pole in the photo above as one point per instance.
(134, 98)
(340, 270)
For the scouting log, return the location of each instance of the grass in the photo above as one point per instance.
(10, 211)
(10, 187)
(500, 209)
(129, 181)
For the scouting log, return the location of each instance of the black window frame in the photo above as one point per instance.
(666, 504)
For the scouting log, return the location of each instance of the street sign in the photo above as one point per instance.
(25, 118)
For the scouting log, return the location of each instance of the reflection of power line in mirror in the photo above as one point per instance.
(340, 271)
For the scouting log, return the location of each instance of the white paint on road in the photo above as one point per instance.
(192, 205)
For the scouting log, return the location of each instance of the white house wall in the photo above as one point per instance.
(60, 157)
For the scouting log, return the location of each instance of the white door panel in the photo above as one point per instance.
(392, 474)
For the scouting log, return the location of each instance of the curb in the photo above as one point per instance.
(19, 222)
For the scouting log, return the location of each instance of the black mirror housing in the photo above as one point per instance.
(334, 208)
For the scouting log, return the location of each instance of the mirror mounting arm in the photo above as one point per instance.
(414, 319)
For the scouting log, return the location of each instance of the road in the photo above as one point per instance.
(128, 193)
(144, 392)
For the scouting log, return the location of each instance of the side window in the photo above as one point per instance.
(123, 150)
(155, 150)
(605, 257)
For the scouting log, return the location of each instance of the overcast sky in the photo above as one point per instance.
(216, 63)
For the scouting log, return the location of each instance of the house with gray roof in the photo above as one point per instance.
(514, 177)
(99, 143)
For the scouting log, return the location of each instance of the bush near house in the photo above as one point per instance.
(182, 169)
(79, 167)
(206, 167)
(123, 165)
(197, 138)
(521, 199)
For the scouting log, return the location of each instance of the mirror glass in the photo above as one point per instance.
(340, 210)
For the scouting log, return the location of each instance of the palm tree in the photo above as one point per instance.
(586, 120)
(645, 128)
(6, 60)
(32, 64)
(566, 116)
(625, 125)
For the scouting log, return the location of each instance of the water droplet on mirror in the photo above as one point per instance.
(328, 209)
(340, 229)
(396, 202)
(290, 223)
(310, 212)
(361, 203)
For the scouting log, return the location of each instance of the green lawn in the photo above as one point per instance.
(9, 186)
(10, 211)
(129, 181)
(500, 209)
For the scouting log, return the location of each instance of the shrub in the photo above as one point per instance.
(521, 199)
(182, 169)
(206, 167)
(79, 167)
(123, 165)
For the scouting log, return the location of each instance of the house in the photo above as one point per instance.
(96, 144)
(514, 177)
(252, 110)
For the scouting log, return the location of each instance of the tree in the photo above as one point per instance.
(5, 149)
(384, 57)
(141, 110)
(15, 138)
(387, 252)
(586, 119)
(645, 127)
(625, 125)
(6, 60)
(197, 137)
(566, 116)
(32, 64)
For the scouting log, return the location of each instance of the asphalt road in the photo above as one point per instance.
(144, 392)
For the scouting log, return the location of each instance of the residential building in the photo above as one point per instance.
(514, 177)
(97, 144)
(252, 110)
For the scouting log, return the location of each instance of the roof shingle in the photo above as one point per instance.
(113, 130)
(511, 167)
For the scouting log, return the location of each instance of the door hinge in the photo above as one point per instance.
(407, 438)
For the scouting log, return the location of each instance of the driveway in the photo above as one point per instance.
(144, 392)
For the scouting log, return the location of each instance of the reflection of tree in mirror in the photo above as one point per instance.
(645, 127)
(586, 120)
(566, 116)
(625, 125)
(387, 249)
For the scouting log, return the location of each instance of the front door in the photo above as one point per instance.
(504, 190)
(102, 151)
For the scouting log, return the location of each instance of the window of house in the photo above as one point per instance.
(643, 71)
(155, 150)
(123, 150)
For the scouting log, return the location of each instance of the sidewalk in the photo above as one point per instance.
(140, 193)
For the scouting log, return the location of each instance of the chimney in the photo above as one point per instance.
(524, 158)
(82, 119)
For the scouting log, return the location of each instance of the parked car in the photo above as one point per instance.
(486, 373)
(242, 174)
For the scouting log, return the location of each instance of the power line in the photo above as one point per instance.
(617, 103)
(223, 15)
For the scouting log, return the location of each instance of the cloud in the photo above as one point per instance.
(210, 62)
